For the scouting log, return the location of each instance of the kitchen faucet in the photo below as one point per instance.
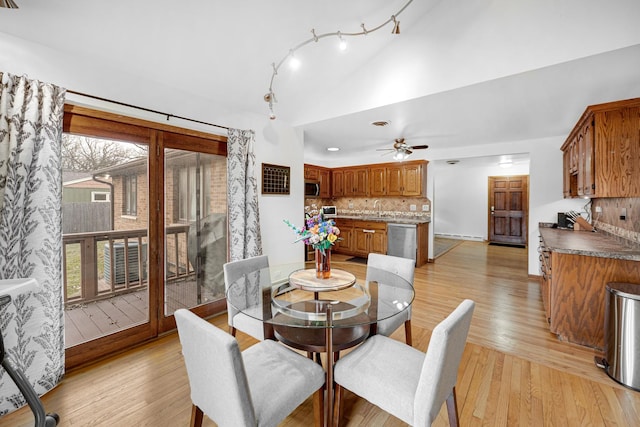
(377, 202)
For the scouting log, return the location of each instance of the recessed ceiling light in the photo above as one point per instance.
(380, 123)
(333, 149)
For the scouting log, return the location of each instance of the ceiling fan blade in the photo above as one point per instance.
(419, 147)
(385, 149)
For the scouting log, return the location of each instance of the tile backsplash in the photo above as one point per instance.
(387, 206)
(609, 219)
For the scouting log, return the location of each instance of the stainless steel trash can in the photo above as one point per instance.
(622, 333)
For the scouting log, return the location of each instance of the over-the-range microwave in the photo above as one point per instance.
(311, 188)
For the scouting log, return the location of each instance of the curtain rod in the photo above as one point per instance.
(146, 109)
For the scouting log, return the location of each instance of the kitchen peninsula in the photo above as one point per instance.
(576, 267)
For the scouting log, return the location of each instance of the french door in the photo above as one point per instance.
(144, 229)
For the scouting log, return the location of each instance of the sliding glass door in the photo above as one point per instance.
(105, 237)
(195, 228)
(145, 229)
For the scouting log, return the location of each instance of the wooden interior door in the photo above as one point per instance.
(508, 209)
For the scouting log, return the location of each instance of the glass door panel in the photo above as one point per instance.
(105, 237)
(195, 209)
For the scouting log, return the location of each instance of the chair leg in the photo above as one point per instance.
(452, 409)
(407, 332)
(318, 407)
(196, 416)
(232, 331)
(339, 391)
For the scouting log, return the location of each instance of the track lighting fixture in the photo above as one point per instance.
(295, 63)
(9, 4)
(396, 25)
(342, 44)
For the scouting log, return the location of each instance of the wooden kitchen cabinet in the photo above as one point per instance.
(356, 181)
(345, 244)
(359, 238)
(422, 244)
(311, 172)
(337, 183)
(573, 285)
(545, 282)
(377, 181)
(324, 177)
(369, 236)
(407, 179)
(601, 156)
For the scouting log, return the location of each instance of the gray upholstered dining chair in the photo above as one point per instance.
(404, 381)
(260, 386)
(403, 267)
(251, 268)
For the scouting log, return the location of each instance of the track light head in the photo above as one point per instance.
(396, 25)
(9, 4)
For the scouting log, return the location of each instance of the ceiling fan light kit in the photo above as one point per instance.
(270, 96)
(401, 150)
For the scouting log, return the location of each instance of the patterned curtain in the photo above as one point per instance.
(242, 196)
(31, 114)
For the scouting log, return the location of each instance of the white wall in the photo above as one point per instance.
(276, 142)
(460, 197)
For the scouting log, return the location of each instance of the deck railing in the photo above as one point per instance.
(103, 264)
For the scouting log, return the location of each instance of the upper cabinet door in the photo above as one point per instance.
(378, 181)
(394, 181)
(405, 180)
(325, 183)
(412, 180)
(337, 183)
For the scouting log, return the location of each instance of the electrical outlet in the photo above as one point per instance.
(598, 209)
(350, 205)
(623, 214)
(425, 208)
(412, 208)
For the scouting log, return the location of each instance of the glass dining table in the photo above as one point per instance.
(321, 315)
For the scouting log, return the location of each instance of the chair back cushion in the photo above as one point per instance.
(440, 369)
(384, 269)
(216, 371)
(403, 267)
(234, 270)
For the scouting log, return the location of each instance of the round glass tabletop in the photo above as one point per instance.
(289, 295)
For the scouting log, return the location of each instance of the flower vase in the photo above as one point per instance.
(323, 264)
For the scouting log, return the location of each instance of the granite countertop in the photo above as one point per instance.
(387, 219)
(599, 244)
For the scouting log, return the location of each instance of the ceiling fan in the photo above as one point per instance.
(401, 150)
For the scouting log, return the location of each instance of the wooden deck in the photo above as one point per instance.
(87, 321)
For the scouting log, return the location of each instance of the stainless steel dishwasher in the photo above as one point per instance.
(401, 240)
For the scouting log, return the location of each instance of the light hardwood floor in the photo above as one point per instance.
(513, 372)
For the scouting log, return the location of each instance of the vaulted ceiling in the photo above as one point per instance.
(460, 73)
